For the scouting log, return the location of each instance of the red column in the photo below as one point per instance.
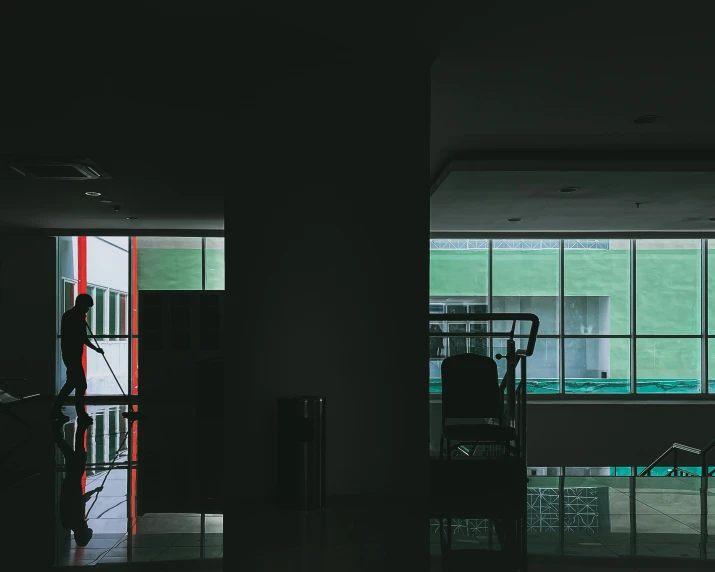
(82, 289)
(82, 278)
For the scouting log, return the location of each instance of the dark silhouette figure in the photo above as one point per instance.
(74, 338)
(72, 501)
(436, 345)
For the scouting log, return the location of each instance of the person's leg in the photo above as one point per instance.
(67, 388)
(81, 387)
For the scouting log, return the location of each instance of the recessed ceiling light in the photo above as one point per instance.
(515, 219)
(569, 189)
(105, 201)
(93, 194)
(132, 217)
(645, 119)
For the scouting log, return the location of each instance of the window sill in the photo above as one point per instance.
(635, 398)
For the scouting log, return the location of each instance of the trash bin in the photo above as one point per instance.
(301, 452)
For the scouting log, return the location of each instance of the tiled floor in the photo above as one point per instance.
(628, 523)
(624, 523)
(119, 534)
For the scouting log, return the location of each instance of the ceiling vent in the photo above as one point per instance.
(59, 170)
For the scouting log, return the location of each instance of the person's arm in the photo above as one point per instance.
(90, 344)
(88, 495)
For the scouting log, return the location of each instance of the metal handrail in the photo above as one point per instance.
(687, 449)
(674, 448)
(6, 379)
(490, 317)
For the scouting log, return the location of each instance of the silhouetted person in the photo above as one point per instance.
(74, 338)
(72, 501)
(436, 345)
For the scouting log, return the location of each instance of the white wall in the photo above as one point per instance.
(107, 264)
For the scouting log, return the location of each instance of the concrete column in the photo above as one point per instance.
(327, 276)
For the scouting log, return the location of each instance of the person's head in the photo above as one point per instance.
(83, 302)
(83, 534)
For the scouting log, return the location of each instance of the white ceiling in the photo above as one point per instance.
(533, 80)
(483, 200)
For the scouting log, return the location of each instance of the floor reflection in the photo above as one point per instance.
(602, 517)
(119, 532)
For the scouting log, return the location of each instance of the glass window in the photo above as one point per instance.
(169, 263)
(112, 314)
(542, 372)
(123, 314)
(597, 365)
(668, 286)
(70, 289)
(597, 306)
(91, 312)
(99, 377)
(525, 278)
(666, 365)
(105, 260)
(215, 264)
(597, 288)
(456, 345)
(711, 286)
(711, 366)
(99, 310)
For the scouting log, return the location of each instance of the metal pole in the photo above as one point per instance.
(523, 407)
(704, 504)
(490, 299)
(562, 303)
(202, 543)
(511, 378)
(130, 317)
(634, 370)
(130, 469)
(203, 263)
(562, 509)
(704, 326)
(632, 511)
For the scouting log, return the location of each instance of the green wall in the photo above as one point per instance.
(459, 273)
(668, 295)
(168, 269)
(215, 270)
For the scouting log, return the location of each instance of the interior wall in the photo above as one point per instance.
(28, 290)
(606, 434)
(611, 434)
(28, 294)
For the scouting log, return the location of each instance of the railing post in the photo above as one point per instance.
(675, 462)
(562, 509)
(511, 378)
(523, 406)
(632, 512)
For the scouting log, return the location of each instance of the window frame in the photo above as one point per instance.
(488, 241)
(116, 336)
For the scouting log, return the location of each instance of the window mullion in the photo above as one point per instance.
(634, 370)
(704, 326)
(490, 291)
(562, 344)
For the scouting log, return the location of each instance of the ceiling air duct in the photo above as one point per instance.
(76, 170)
